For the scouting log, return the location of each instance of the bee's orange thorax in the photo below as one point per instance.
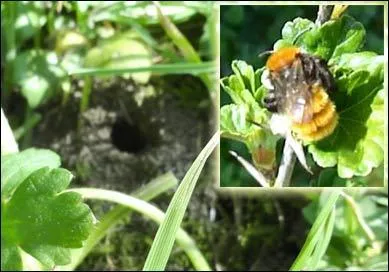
(324, 119)
(282, 58)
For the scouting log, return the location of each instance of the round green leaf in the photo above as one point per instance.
(43, 221)
(15, 168)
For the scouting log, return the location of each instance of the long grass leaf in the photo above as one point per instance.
(316, 232)
(182, 44)
(166, 234)
(173, 68)
(150, 211)
(151, 190)
(322, 245)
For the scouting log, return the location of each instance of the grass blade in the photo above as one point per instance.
(182, 44)
(152, 212)
(151, 190)
(316, 232)
(172, 68)
(322, 245)
(166, 234)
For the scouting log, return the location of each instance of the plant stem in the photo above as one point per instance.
(358, 215)
(152, 212)
(86, 91)
(285, 170)
(182, 43)
(37, 36)
(255, 173)
(151, 190)
(10, 10)
(28, 135)
(31, 122)
(324, 14)
(8, 142)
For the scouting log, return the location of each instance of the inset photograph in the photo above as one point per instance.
(302, 100)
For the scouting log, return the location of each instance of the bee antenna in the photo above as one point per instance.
(268, 52)
(263, 126)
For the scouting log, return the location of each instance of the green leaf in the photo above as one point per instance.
(351, 37)
(242, 87)
(329, 178)
(376, 263)
(15, 168)
(69, 39)
(29, 20)
(315, 235)
(240, 121)
(43, 221)
(332, 39)
(357, 145)
(322, 245)
(245, 74)
(164, 239)
(260, 142)
(376, 216)
(121, 51)
(233, 122)
(38, 74)
(10, 256)
(292, 30)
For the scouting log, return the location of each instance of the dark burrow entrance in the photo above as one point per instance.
(128, 137)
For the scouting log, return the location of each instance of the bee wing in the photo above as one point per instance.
(298, 95)
(300, 109)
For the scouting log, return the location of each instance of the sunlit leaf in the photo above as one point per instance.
(43, 221)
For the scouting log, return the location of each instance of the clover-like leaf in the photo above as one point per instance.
(15, 168)
(43, 221)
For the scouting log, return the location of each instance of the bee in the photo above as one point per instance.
(298, 86)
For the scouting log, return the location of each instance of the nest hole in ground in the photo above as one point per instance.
(128, 137)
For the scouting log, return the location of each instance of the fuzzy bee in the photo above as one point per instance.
(298, 85)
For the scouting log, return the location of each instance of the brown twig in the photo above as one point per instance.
(324, 14)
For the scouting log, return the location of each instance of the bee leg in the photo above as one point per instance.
(309, 68)
(324, 74)
(270, 105)
(270, 102)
